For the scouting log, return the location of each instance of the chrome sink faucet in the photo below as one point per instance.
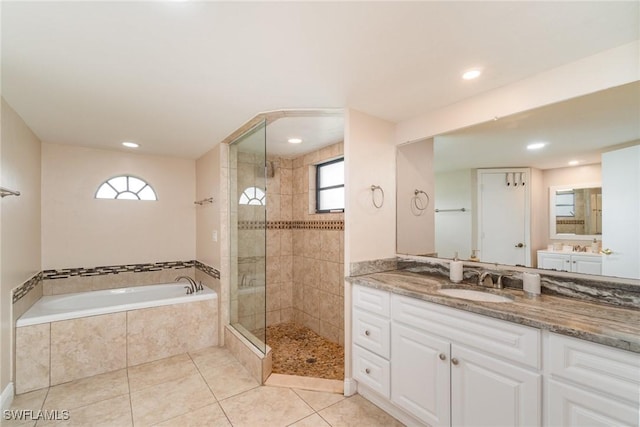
(485, 279)
(193, 286)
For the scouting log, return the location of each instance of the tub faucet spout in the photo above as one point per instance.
(193, 286)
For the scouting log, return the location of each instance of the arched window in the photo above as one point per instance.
(252, 196)
(126, 187)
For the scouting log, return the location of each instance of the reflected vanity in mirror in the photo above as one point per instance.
(577, 166)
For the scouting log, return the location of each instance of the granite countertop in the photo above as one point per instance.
(601, 323)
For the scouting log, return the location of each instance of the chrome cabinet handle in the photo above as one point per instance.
(442, 356)
(454, 361)
(520, 245)
(367, 333)
(368, 371)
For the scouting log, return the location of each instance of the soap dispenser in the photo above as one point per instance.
(455, 269)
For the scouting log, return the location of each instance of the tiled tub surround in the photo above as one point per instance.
(72, 280)
(614, 326)
(53, 353)
(32, 341)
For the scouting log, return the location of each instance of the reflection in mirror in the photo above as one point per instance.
(585, 140)
(575, 212)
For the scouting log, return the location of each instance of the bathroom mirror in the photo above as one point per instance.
(577, 130)
(575, 212)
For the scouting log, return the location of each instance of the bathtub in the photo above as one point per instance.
(66, 337)
(83, 304)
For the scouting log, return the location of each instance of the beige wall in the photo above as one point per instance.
(20, 222)
(208, 215)
(81, 231)
(415, 172)
(370, 233)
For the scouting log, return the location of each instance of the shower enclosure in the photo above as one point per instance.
(247, 191)
(286, 255)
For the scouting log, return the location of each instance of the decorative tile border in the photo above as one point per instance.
(292, 225)
(115, 269)
(22, 290)
(26, 287)
(570, 221)
(211, 271)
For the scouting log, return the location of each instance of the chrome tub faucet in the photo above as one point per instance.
(193, 286)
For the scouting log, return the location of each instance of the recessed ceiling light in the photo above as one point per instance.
(294, 140)
(536, 145)
(130, 144)
(471, 74)
(574, 162)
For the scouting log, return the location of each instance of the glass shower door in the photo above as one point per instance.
(247, 180)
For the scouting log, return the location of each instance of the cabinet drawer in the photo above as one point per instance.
(373, 300)
(506, 340)
(371, 370)
(596, 366)
(371, 332)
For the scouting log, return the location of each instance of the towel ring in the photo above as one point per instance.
(418, 204)
(373, 196)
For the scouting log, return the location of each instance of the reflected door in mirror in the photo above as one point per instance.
(503, 223)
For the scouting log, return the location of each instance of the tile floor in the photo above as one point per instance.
(205, 388)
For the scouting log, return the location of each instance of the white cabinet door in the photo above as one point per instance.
(486, 391)
(420, 378)
(586, 264)
(551, 261)
(503, 221)
(573, 406)
(620, 212)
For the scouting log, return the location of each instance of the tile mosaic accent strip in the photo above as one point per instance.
(26, 287)
(570, 221)
(292, 225)
(115, 269)
(211, 271)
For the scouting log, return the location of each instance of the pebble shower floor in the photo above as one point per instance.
(297, 350)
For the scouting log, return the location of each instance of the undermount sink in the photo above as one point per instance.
(474, 295)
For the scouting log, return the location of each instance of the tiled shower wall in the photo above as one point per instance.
(305, 250)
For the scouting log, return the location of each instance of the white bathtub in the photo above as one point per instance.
(72, 306)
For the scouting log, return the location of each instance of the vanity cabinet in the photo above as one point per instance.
(444, 366)
(450, 367)
(572, 262)
(590, 384)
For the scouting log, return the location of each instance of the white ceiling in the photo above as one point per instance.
(578, 129)
(178, 77)
(315, 132)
